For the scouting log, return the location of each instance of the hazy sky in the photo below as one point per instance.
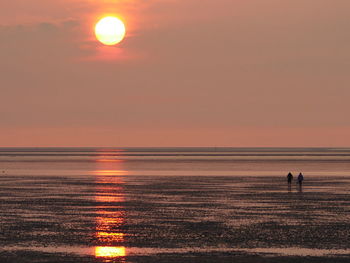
(188, 73)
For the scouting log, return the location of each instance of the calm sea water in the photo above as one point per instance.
(173, 204)
(175, 161)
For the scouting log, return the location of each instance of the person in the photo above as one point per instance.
(300, 179)
(289, 178)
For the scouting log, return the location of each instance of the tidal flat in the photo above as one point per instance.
(120, 218)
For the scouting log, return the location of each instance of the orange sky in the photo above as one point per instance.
(189, 73)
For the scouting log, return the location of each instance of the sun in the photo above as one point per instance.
(110, 30)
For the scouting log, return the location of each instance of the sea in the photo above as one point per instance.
(174, 205)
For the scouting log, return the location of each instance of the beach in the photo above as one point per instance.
(172, 205)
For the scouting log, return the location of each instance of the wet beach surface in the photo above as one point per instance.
(117, 218)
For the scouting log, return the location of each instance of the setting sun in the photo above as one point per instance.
(110, 30)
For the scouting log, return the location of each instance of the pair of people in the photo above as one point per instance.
(300, 178)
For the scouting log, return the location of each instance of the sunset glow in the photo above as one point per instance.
(110, 30)
(174, 131)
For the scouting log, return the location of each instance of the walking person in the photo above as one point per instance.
(289, 178)
(300, 179)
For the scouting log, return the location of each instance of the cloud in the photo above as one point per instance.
(22, 44)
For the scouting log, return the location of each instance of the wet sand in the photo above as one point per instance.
(108, 218)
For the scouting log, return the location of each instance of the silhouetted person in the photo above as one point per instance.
(300, 179)
(289, 178)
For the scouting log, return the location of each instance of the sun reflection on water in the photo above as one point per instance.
(111, 213)
(110, 252)
(110, 172)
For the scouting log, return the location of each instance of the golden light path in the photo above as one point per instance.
(110, 252)
(109, 193)
(110, 30)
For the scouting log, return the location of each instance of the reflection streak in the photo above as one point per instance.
(109, 196)
(110, 252)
